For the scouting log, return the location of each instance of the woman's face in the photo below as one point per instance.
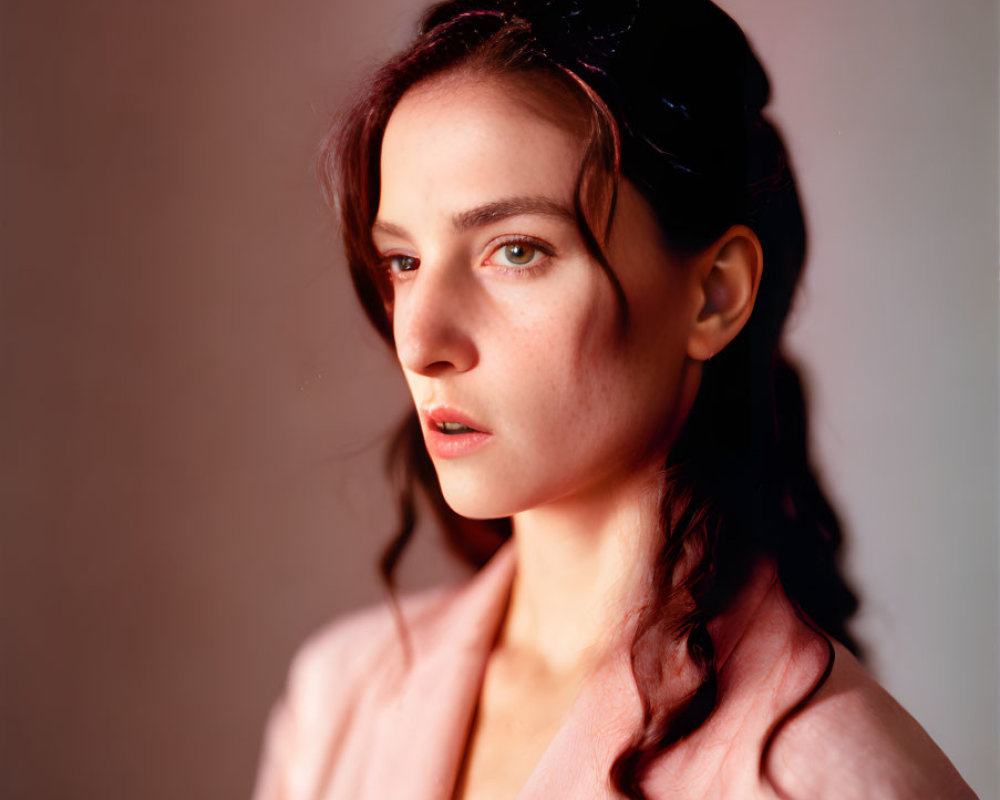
(530, 390)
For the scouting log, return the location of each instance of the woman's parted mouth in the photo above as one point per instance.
(450, 434)
(453, 427)
(451, 422)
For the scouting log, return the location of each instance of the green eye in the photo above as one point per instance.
(519, 254)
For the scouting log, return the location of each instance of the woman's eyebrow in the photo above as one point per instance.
(489, 213)
(380, 226)
(509, 207)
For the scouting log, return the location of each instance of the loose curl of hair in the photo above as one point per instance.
(738, 480)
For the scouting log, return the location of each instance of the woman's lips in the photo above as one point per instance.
(449, 433)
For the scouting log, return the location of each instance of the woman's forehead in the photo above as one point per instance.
(538, 90)
(456, 143)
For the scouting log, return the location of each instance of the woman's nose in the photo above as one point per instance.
(433, 319)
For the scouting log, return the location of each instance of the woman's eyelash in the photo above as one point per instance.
(397, 263)
(521, 253)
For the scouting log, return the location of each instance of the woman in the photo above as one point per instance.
(582, 238)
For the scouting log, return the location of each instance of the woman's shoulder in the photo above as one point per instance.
(371, 638)
(336, 679)
(370, 665)
(374, 646)
(853, 740)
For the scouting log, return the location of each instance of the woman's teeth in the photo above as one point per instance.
(453, 427)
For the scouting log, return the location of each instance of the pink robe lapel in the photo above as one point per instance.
(769, 660)
(356, 725)
(421, 733)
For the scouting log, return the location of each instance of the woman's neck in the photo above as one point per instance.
(582, 565)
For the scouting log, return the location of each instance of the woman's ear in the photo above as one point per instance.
(728, 273)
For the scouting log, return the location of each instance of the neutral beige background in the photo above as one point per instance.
(192, 407)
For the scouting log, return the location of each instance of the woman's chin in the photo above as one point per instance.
(473, 497)
(475, 506)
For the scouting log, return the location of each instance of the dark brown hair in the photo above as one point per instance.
(688, 132)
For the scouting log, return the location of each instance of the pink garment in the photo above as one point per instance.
(356, 724)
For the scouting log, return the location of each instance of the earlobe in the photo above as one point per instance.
(729, 275)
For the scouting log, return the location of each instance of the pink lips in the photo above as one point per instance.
(454, 444)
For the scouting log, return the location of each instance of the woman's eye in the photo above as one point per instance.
(399, 263)
(517, 254)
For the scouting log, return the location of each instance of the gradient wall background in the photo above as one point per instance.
(192, 407)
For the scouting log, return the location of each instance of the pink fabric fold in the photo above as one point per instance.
(360, 723)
